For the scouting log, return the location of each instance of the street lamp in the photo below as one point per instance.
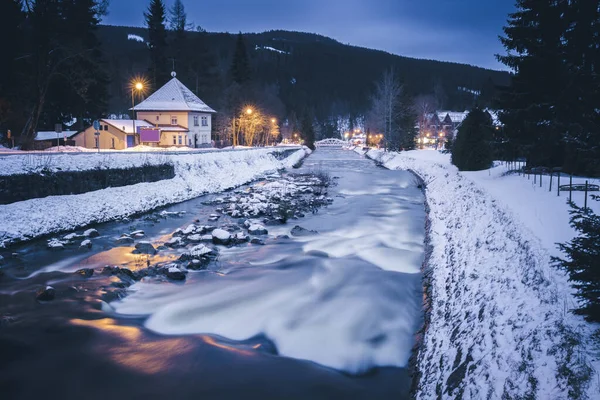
(136, 85)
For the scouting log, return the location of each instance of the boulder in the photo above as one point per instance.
(86, 244)
(220, 236)
(85, 272)
(198, 252)
(125, 239)
(256, 229)
(257, 241)
(45, 294)
(175, 242)
(55, 244)
(91, 233)
(300, 231)
(242, 238)
(175, 274)
(195, 238)
(145, 248)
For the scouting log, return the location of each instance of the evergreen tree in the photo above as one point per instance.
(582, 89)
(308, 131)
(155, 21)
(583, 261)
(471, 150)
(240, 67)
(61, 45)
(11, 43)
(534, 40)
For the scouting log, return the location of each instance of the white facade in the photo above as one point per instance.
(184, 119)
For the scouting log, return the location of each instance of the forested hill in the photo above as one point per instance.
(331, 77)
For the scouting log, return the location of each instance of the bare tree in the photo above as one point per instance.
(387, 108)
(424, 106)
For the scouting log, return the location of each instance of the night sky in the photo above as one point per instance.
(464, 31)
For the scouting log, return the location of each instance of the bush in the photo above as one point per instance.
(472, 150)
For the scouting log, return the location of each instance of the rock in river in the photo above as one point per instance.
(300, 231)
(145, 248)
(45, 294)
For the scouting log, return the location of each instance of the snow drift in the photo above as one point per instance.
(500, 325)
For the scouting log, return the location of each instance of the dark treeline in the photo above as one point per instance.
(288, 76)
(551, 113)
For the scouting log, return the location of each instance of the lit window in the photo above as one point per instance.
(204, 121)
(174, 139)
(180, 139)
(196, 123)
(173, 120)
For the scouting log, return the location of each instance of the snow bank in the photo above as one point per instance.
(500, 325)
(195, 174)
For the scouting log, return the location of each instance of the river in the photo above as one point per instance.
(331, 315)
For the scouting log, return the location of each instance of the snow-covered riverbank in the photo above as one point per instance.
(500, 325)
(195, 174)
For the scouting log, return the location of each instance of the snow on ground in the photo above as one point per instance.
(195, 174)
(500, 325)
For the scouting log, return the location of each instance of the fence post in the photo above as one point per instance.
(540, 178)
(570, 188)
(558, 185)
(550, 182)
(586, 192)
(535, 178)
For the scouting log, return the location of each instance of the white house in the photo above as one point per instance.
(182, 118)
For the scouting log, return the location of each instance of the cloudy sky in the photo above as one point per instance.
(464, 31)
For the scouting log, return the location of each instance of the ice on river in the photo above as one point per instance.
(356, 309)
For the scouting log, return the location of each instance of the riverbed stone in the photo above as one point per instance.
(257, 229)
(175, 274)
(299, 231)
(86, 244)
(91, 233)
(45, 294)
(220, 236)
(145, 248)
(85, 272)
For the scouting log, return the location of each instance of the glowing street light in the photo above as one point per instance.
(273, 120)
(137, 84)
(249, 111)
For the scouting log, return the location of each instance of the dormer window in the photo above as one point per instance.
(174, 120)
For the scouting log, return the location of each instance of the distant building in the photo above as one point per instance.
(46, 139)
(171, 116)
(437, 128)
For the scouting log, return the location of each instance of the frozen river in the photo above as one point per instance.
(330, 315)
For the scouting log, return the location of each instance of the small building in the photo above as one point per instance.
(171, 116)
(46, 139)
(182, 118)
(115, 134)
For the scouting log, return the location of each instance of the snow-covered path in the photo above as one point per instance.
(500, 325)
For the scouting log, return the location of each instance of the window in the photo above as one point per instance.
(204, 121)
(105, 127)
(196, 121)
(113, 142)
(174, 120)
(157, 118)
(174, 139)
(97, 142)
(180, 139)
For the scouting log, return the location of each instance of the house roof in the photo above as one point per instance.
(173, 96)
(52, 135)
(455, 116)
(126, 125)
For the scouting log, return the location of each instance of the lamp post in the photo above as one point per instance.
(139, 86)
(248, 111)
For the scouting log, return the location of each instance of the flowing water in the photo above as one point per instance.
(332, 315)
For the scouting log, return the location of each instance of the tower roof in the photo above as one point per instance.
(173, 96)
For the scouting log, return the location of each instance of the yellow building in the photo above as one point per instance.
(171, 116)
